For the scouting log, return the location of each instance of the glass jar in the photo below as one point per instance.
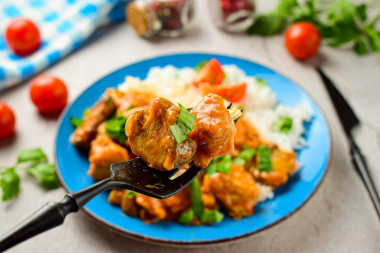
(168, 18)
(232, 15)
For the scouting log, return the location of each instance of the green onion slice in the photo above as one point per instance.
(265, 163)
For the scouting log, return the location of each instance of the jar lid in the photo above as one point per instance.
(142, 18)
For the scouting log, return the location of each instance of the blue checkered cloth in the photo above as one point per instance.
(63, 24)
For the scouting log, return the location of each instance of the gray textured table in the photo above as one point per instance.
(340, 216)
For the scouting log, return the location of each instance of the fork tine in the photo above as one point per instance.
(188, 176)
(229, 106)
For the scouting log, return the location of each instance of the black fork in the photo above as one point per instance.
(134, 175)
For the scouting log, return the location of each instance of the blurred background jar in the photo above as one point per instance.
(232, 15)
(167, 18)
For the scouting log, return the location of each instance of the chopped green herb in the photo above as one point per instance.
(224, 164)
(220, 164)
(45, 173)
(212, 216)
(200, 65)
(284, 124)
(34, 155)
(247, 153)
(9, 183)
(35, 162)
(238, 161)
(185, 123)
(115, 128)
(211, 168)
(265, 163)
(261, 81)
(186, 217)
(196, 198)
(131, 193)
(75, 121)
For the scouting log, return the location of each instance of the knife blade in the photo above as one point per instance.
(349, 120)
(345, 113)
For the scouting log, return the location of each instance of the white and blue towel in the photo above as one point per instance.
(63, 24)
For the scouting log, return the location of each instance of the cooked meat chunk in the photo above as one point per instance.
(86, 131)
(236, 190)
(208, 197)
(151, 139)
(152, 209)
(129, 205)
(103, 153)
(246, 134)
(214, 130)
(115, 196)
(133, 99)
(283, 164)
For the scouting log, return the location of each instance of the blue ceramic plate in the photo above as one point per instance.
(73, 164)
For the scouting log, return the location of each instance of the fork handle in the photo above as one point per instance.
(52, 214)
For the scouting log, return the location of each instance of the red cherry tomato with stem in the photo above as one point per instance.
(49, 94)
(302, 39)
(7, 121)
(23, 36)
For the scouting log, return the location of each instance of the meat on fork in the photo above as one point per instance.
(150, 137)
(214, 130)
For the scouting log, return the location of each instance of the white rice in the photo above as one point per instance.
(260, 104)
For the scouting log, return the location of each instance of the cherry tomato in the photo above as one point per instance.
(48, 93)
(302, 40)
(233, 93)
(23, 36)
(7, 121)
(211, 73)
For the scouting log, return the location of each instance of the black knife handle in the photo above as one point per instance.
(361, 166)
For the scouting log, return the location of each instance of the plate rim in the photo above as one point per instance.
(195, 244)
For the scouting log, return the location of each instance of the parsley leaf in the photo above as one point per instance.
(75, 121)
(185, 123)
(9, 183)
(268, 24)
(115, 128)
(45, 173)
(284, 124)
(265, 163)
(34, 155)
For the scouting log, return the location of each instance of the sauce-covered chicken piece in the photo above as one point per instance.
(153, 210)
(214, 130)
(246, 134)
(151, 139)
(283, 164)
(86, 131)
(236, 190)
(103, 153)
